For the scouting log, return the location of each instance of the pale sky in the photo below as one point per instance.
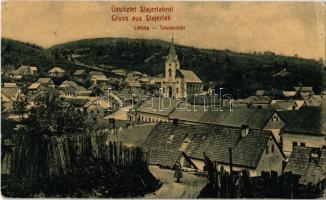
(284, 28)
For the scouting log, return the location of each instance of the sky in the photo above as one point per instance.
(284, 28)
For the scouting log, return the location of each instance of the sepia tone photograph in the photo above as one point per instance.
(163, 99)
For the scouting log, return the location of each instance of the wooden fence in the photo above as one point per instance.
(239, 184)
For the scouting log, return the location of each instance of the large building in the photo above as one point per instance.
(179, 83)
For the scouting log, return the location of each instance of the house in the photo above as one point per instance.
(78, 89)
(305, 127)
(251, 149)
(255, 102)
(98, 79)
(282, 105)
(154, 109)
(56, 72)
(46, 81)
(179, 83)
(265, 119)
(304, 91)
(93, 107)
(315, 100)
(309, 163)
(24, 71)
(133, 78)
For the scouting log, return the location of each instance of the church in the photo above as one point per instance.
(177, 82)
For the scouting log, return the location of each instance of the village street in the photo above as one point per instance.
(190, 185)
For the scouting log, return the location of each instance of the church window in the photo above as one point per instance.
(177, 90)
(170, 72)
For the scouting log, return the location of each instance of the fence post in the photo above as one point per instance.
(231, 162)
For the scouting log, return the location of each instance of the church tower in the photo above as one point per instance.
(171, 64)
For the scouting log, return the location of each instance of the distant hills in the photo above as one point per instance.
(240, 72)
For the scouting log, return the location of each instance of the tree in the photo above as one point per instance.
(20, 107)
(51, 116)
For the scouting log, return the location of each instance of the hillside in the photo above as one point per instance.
(15, 53)
(231, 70)
(240, 73)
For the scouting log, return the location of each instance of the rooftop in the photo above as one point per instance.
(167, 141)
(309, 163)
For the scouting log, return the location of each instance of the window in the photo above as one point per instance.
(294, 144)
(303, 144)
(177, 90)
(170, 72)
(273, 148)
(267, 149)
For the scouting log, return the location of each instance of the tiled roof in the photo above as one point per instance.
(255, 118)
(309, 163)
(190, 76)
(168, 140)
(132, 135)
(307, 120)
(283, 105)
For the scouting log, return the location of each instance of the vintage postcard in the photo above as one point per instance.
(163, 99)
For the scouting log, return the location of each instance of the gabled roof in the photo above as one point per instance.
(309, 163)
(307, 120)
(79, 72)
(72, 84)
(44, 80)
(56, 69)
(25, 70)
(190, 76)
(34, 86)
(99, 77)
(167, 141)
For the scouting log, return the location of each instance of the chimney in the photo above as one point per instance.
(244, 130)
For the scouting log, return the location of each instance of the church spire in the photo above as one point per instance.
(172, 53)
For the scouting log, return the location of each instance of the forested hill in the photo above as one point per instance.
(231, 70)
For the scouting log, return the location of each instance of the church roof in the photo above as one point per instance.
(190, 76)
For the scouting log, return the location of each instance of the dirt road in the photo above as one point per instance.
(189, 187)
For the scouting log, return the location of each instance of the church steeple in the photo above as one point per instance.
(172, 56)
